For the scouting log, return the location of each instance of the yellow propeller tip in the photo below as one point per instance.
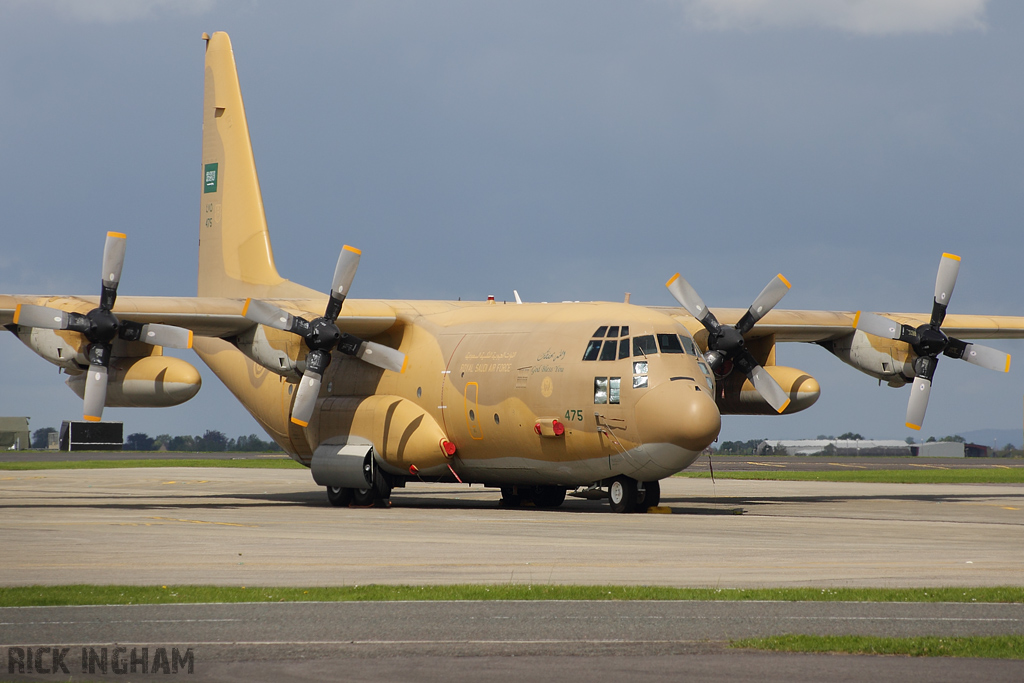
(353, 250)
(672, 279)
(785, 281)
(917, 427)
(300, 422)
(784, 406)
(856, 318)
(17, 313)
(952, 256)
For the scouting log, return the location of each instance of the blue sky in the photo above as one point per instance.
(570, 150)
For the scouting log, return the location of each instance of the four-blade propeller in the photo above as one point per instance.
(100, 326)
(727, 344)
(322, 336)
(928, 341)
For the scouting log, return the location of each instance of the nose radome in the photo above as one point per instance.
(679, 414)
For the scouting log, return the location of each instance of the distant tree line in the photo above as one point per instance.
(212, 441)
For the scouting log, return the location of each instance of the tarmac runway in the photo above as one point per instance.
(253, 527)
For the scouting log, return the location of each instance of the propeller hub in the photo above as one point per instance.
(727, 340)
(323, 335)
(930, 341)
(103, 326)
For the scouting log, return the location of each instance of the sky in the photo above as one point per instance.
(569, 150)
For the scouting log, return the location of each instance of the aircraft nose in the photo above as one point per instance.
(677, 413)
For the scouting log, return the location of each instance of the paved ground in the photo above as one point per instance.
(815, 463)
(502, 640)
(274, 527)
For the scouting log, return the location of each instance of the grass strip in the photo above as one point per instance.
(994, 647)
(249, 463)
(923, 476)
(22, 596)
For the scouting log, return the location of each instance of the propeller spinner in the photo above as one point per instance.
(727, 344)
(100, 327)
(322, 336)
(928, 341)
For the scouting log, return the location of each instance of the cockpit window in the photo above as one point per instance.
(625, 331)
(613, 331)
(644, 345)
(669, 343)
(688, 344)
(610, 347)
(601, 330)
(623, 348)
(593, 349)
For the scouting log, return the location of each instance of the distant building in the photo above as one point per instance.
(941, 449)
(14, 433)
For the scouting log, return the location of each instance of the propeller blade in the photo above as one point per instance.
(769, 297)
(170, 336)
(918, 403)
(95, 393)
(769, 388)
(949, 267)
(30, 315)
(382, 356)
(267, 314)
(345, 271)
(113, 260)
(878, 325)
(687, 297)
(305, 398)
(987, 357)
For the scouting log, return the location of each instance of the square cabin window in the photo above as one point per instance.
(610, 348)
(600, 390)
(613, 389)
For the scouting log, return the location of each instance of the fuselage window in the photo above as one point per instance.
(613, 389)
(688, 345)
(601, 330)
(644, 345)
(600, 390)
(613, 331)
(669, 343)
(608, 352)
(593, 350)
(639, 374)
(623, 348)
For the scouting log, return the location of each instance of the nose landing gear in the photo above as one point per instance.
(626, 494)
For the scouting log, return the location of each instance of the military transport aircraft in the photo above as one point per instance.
(533, 398)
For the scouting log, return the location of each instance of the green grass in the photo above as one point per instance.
(996, 647)
(923, 476)
(122, 595)
(254, 463)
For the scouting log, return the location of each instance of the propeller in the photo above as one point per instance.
(322, 336)
(727, 344)
(100, 327)
(928, 341)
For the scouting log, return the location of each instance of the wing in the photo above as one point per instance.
(210, 316)
(819, 326)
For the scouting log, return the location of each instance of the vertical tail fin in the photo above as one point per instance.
(235, 257)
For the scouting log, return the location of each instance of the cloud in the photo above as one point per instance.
(111, 11)
(869, 17)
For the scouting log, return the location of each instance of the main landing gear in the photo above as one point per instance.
(378, 495)
(628, 495)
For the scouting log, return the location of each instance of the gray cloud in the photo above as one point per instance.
(870, 17)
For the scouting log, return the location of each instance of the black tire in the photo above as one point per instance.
(548, 496)
(364, 498)
(622, 494)
(339, 497)
(510, 499)
(649, 497)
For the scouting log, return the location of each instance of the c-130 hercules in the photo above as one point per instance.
(534, 398)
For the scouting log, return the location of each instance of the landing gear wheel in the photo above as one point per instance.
(339, 497)
(364, 498)
(548, 496)
(508, 498)
(649, 497)
(622, 494)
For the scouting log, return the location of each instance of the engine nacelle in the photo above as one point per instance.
(884, 359)
(63, 349)
(737, 396)
(150, 382)
(275, 350)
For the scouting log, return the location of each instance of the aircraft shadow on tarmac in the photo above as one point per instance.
(484, 499)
